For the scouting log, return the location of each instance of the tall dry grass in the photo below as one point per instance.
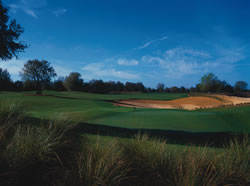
(153, 163)
(34, 153)
(56, 153)
(102, 164)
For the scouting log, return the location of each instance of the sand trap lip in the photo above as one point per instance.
(189, 103)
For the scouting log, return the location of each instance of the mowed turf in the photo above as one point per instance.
(96, 109)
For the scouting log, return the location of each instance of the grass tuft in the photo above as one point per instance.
(102, 164)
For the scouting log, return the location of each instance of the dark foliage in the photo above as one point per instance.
(73, 82)
(10, 32)
(240, 87)
(39, 73)
(5, 81)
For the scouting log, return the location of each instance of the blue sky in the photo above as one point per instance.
(149, 41)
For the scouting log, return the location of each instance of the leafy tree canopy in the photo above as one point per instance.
(240, 86)
(73, 82)
(208, 82)
(39, 72)
(160, 87)
(10, 32)
(4, 75)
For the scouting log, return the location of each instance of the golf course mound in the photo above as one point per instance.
(189, 103)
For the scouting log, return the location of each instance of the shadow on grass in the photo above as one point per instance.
(210, 139)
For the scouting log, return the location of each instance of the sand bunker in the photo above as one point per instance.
(189, 103)
(233, 100)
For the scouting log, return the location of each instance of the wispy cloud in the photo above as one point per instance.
(181, 52)
(31, 13)
(148, 43)
(30, 7)
(163, 38)
(59, 12)
(127, 62)
(100, 71)
(178, 62)
(15, 7)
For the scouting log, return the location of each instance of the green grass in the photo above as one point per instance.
(95, 109)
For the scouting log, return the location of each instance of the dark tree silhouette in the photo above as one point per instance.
(57, 85)
(240, 86)
(5, 81)
(119, 86)
(208, 83)
(73, 82)
(10, 32)
(38, 72)
(160, 87)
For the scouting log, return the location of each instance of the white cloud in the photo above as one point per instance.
(30, 7)
(99, 70)
(178, 62)
(182, 52)
(163, 38)
(147, 44)
(59, 12)
(62, 71)
(29, 11)
(231, 55)
(14, 66)
(127, 62)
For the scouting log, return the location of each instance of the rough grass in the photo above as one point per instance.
(55, 153)
(102, 164)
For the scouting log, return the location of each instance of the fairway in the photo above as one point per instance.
(99, 109)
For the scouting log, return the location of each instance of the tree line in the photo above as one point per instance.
(37, 76)
(209, 83)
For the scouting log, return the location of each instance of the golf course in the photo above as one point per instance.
(100, 109)
(124, 93)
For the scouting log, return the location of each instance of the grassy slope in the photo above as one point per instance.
(93, 108)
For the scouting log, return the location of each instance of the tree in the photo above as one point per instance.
(73, 82)
(5, 81)
(240, 86)
(10, 32)
(183, 89)
(129, 86)
(160, 87)
(98, 86)
(39, 73)
(18, 85)
(140, 87)
(174, 89)
(58, 84)
(208, 83)
(28, 85)
(119, 86)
